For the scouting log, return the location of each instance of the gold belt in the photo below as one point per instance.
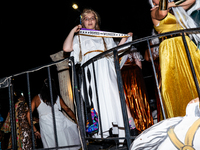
(93, 51)
(172, 36)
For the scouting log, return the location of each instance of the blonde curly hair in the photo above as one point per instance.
(88, 11)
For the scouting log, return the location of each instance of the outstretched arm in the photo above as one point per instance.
(68, 43)
(186, 4)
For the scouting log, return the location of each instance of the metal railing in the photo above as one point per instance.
(6, 83)
(114, 53)
(77, 81)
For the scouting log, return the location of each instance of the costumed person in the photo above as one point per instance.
(177, 83)
(67, 132)
(154, 45)
(6, 128)
(135, 91)
(23, 130)
(84, 48)
(1, 119)
(194, 12)
(174, 133)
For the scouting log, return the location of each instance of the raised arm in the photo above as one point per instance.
(161, 9)
(186, 4)
(68, 43)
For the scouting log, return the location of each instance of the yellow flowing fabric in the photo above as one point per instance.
(178, 86)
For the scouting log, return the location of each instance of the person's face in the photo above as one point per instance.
(89, 21)
(155, 2)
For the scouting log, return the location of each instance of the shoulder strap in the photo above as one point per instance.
(58, 102)
(80, 54)
(174, 138)
(189, 137)
(40, 98)
(191, 132)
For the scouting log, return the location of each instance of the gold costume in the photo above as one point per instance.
(178, 87)
(136, 98)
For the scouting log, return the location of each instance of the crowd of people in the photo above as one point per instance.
(177, 84)
(67, 131)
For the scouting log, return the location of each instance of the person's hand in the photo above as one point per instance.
(154, 7)
(123, 40)
(37, 134)
(194, 101)
(171, 4)
(130, 33)
(77, 28)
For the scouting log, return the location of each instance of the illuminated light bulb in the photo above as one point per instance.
(75, 6)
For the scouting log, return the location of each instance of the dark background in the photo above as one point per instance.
(30, 31)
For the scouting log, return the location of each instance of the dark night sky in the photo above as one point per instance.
(32, 30)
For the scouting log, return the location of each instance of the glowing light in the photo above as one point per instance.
(75, 6)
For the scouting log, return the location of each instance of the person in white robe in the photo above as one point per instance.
(84, 48)
(66, 130)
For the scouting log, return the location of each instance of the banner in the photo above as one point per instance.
(98, 33)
